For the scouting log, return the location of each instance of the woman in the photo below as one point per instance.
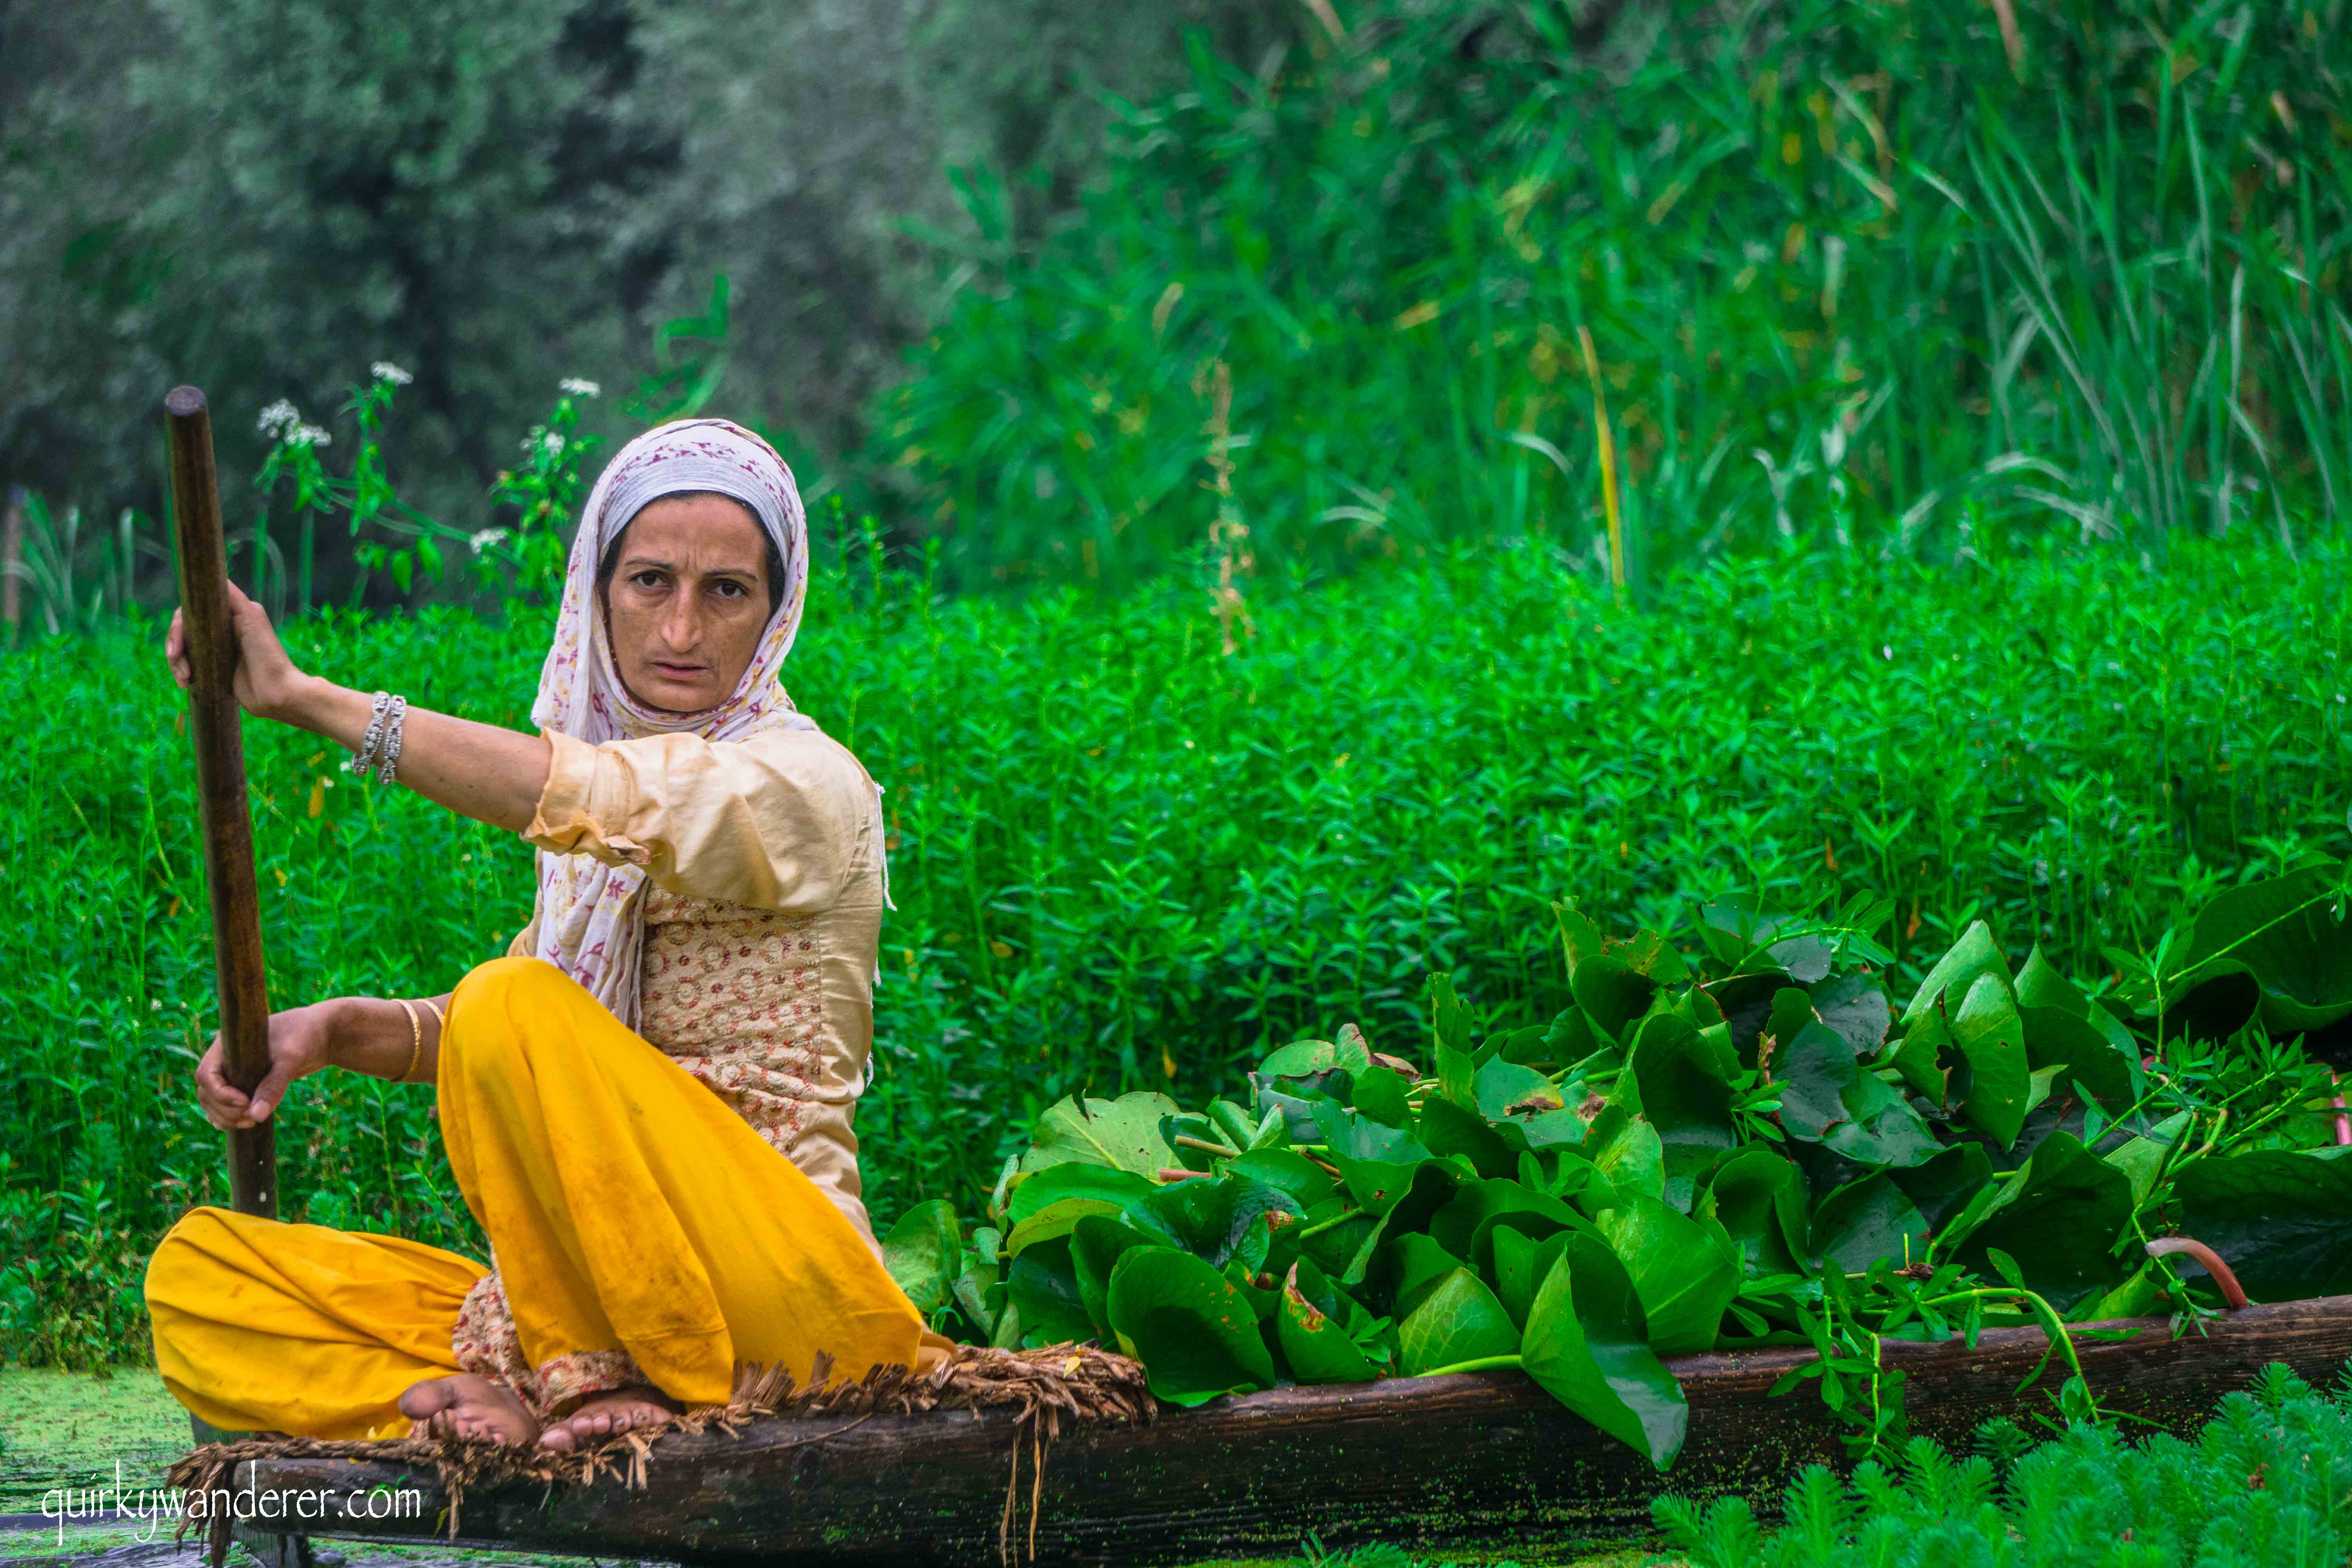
(647, 1102)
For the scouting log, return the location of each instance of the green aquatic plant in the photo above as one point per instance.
(1726, 1139)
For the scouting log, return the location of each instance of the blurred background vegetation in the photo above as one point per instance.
(1907, 276)
(264, 195)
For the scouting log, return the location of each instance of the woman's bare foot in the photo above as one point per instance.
(637, 1409)
(465, 1405)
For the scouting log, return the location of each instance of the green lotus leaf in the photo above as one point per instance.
(1521, 1260)
(1414, 1264)
(1865, 1221)
(1855, 1008)
(1377, 1162)
(2039, 984)
(1458, 1320)
(1941, 1187)
(1686, 1271)
(1298, 1109)
(1612, 992)
(1926, 1058)
(1758, 1196)
(1299, 1058)
(1974, 957)
(1628, 1154)
(1991, 1036)
(1297, 1174)
(1754, 941)
(1504, 1089)
(1055, 1221)
(2058, 1217)
(2054, 1038)
(1827, 1097)
(1196, 1336)
(1455, 1227)
(1792, 1013)
(1587, 1344)
(2293, 935)
(1122, 1133)
(1096, 1243)
(1569, 1038)
(1073, 1179)
(1883, 1130)
(1449, 1015)
(1335, 1248)
(1222, 1218)
(1380, 1095)
(1685, 1089)
(1043, 1286)
(1522, 1045)
(1552, 1130)
(1316, 1343)
(1447, 1129)
(1264, 1298)
(924, 1253)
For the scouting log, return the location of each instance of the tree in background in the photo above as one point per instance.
(264, 195)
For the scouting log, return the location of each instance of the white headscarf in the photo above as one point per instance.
(591, 916)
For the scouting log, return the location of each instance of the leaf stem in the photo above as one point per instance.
(1186, 1141)
(1320, 1225)
(1483, 1363)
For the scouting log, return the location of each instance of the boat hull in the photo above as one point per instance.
(1424, 1462)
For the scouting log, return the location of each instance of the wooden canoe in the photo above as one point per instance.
(1424, 1462)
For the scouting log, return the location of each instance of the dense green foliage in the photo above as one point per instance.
(1849, 263)
(2263, 1485)
(1123, 861)
(1726, 1139)
(1843, 262)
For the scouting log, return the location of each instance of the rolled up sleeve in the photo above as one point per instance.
(774, 822)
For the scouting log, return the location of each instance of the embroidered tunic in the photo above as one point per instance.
(762, 913)
(762, 921)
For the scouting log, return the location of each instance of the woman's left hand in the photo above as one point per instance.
(267, 683)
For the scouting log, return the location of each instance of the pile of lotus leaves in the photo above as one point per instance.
(1706, 1146)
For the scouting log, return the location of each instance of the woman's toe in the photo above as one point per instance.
(424, 1401)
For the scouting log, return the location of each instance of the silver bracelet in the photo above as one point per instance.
(366, 756)
(394, 734)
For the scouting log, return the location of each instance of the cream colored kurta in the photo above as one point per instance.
(763, 908)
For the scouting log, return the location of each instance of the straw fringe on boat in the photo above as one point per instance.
(1043, 1388)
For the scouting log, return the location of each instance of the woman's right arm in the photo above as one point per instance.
(369, 1035)
(491, 775)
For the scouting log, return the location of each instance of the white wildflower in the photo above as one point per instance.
(573, 386)
(487, 538)
(307, 435)
(278, 418)
(551, 443)
(384, 370)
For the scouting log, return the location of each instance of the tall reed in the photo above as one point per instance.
(1843, 262)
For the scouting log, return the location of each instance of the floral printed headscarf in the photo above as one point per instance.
(591, 915)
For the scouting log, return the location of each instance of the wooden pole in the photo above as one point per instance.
(216, 729)
(12, 553)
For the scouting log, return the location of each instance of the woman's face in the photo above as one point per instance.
(687, 601)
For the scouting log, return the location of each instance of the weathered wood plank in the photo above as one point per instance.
(1426, 1461)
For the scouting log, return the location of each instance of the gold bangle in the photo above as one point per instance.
(439, 1023)
(415, 1041)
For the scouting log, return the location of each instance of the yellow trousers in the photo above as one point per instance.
(629, 1210)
